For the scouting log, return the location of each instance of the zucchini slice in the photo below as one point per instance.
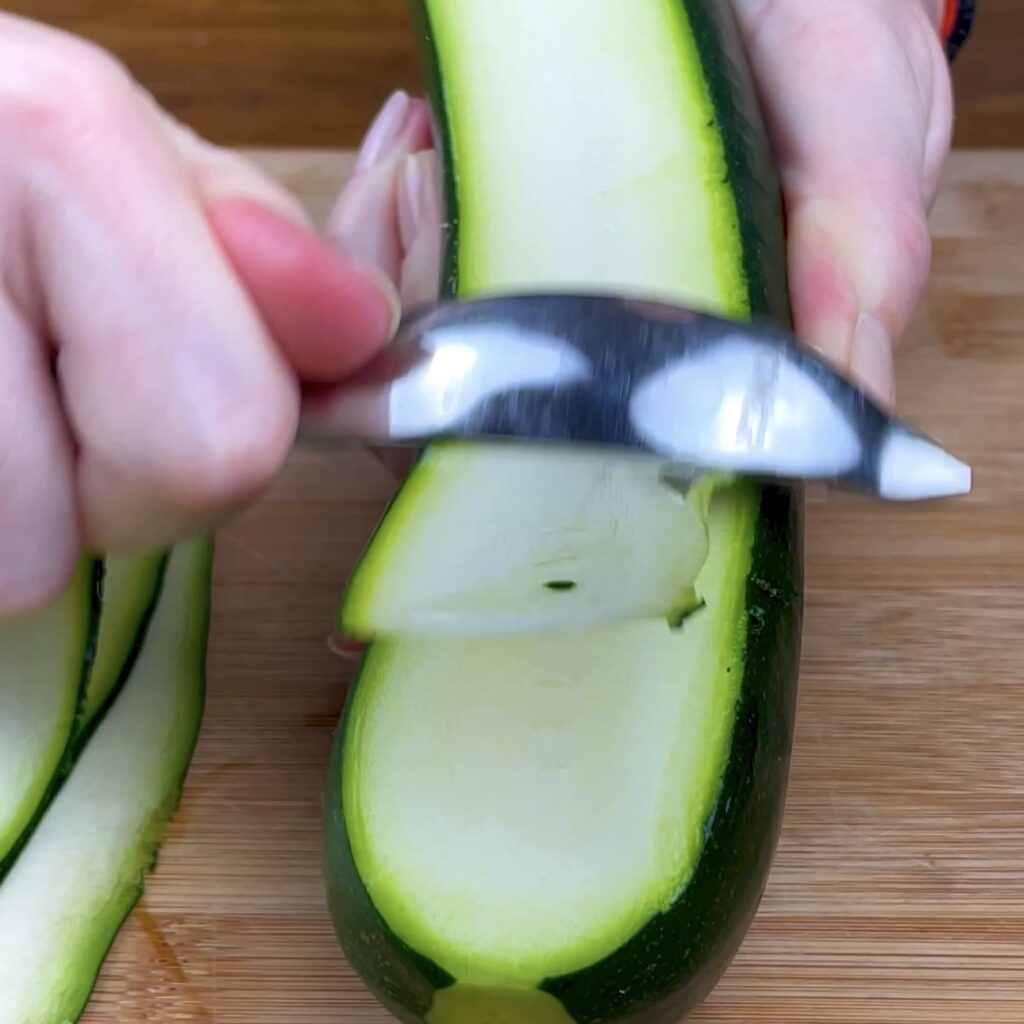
(59, 668)
(447, 560)
(82, 871)
(129, 589)
(44, 664)
(574, 824)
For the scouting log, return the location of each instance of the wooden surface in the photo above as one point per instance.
(897, 896)
(312, 72)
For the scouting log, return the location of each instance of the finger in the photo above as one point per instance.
(932, 72)
(364, 219)
(327, 314)
(420, 229)
(38, 529)
(402, 125)
(420, 232)
(850, 92)
(179, 401)
(219, 173)
(331, 304)
(389, 212)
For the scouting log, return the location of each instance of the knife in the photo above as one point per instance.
(699, 392)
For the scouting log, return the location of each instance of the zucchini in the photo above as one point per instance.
(45, 658)
(574, 824)
(82, 871)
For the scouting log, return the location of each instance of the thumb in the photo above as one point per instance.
(857, 98)
(328, 312)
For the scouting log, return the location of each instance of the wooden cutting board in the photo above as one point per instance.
(897, 894)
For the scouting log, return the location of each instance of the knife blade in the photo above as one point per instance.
(698, 391)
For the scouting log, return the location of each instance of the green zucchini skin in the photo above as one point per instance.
(666, 969)
(681, 954)
(144, 600)
(403, 981)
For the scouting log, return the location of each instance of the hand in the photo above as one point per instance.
(161, 304)
(858, 101)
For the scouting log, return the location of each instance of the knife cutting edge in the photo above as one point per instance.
(698, 391)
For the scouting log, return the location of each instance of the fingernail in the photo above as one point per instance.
(419, 196)
(411, 200)
(345, 647)
(871, 357)
(385, 130)
(419, 227)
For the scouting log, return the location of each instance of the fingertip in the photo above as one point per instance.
(328, 314)
(363, 220)
(386, 288)
(420, 129)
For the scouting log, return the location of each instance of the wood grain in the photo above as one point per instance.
(311, 73)
(897, 896)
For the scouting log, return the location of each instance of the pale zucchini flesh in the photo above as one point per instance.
(583, 151)
(519, 807)
(458, 555)
(66, 896)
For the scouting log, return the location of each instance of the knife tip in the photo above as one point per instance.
(913, 468)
